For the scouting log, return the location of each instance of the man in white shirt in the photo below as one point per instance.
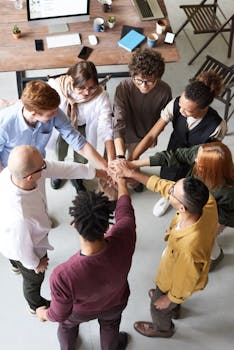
(25, 223)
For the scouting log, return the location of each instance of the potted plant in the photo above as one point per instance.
(111, 21)
(16, 32)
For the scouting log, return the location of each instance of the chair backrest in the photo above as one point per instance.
(227, 74)
(103, 76)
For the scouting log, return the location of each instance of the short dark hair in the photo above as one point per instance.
(204, 88)
(147, 62)
(199, 93)
(196, 195)
(91, 213)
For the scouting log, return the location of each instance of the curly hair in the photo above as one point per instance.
(147, 62)
(91, 214)
(204, 89)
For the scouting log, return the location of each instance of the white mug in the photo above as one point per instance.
(98, 24)
(161, 26)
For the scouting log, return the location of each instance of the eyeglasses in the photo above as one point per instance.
(171, 193)
(91, 89)
(36, 171)
(139, 81)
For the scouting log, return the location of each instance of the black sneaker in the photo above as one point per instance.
(139, 188)
(55, 183)
(123, 340)
(78, 184)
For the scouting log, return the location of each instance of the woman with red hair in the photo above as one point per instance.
(211, 163)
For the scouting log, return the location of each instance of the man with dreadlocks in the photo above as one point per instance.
(93, 284)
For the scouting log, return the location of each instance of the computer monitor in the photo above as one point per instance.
(54, 12)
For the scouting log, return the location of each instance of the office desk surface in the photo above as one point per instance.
(20, 55)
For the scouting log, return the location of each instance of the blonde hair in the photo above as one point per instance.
(38, 96)
(214, 165)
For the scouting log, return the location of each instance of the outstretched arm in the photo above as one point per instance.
(150, 138)
(119, 146)
(110, 150)
(89, 152)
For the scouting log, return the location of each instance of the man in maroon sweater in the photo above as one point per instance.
(93, 283)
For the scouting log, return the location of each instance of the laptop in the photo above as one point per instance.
(148, 9)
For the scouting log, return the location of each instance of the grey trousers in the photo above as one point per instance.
(162, 319)
(62, 148)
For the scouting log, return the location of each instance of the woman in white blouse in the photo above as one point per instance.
(88, 106)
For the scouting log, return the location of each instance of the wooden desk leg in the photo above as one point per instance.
(20, 75)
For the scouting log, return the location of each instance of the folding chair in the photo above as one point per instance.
(208, 18)
(227, 74)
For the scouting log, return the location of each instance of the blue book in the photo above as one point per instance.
(131, 40)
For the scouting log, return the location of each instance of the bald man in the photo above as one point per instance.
(25, 223)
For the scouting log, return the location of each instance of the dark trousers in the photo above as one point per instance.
(109, 322)
(31, 286)
(162, 319)
(62, 148)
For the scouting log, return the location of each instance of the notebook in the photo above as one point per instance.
(126, 29)
(148, 9)
(131, 40)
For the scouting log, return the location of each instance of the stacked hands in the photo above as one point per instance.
(120, 168)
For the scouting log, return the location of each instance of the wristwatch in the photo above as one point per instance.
(120, 156)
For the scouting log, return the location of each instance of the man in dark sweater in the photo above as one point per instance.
(93, 284)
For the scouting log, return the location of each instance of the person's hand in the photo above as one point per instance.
(103, 175)
(6, 103)
(41, 313)
(3, 103)
(120, 168)
(43, 265)
(162, 303)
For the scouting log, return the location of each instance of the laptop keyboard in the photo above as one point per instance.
(144, 8)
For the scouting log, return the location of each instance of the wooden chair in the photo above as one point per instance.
(227, 74)
(208, 18)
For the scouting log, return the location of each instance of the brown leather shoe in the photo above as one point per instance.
(147, 329)
(175, 311)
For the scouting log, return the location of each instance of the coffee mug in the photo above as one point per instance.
(152, 40)
(161, 26)
(98, 24)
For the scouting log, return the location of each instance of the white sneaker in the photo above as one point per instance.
(15, 270)
(161, 207)
(31, 311)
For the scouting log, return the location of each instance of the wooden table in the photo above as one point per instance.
(20, 55)
(16, 55)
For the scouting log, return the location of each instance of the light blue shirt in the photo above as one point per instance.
(14, 131)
